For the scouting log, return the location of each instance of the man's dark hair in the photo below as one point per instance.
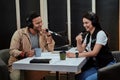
(30, 18)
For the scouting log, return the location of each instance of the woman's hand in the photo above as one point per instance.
(70, 55)
(79, 38)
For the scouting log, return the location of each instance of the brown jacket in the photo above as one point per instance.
(21, 42)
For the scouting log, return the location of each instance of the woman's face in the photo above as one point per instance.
(87, 24)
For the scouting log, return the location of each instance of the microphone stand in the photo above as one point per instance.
(62, 43)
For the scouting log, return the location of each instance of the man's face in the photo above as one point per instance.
(37, 23)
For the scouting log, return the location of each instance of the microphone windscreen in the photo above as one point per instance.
(47, 30)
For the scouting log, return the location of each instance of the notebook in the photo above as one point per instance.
(40, 60)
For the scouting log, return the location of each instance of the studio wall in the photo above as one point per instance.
(78, 8)
(108, 12)
(26, 7)
(57, 20)
(7, 22)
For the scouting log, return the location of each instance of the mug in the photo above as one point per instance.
(37, 52)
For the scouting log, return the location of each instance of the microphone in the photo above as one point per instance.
(53, 33)
(83, 34)
(58, 38)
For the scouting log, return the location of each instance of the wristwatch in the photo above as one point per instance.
(76, 54)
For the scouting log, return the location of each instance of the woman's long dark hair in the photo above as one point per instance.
(94, 18)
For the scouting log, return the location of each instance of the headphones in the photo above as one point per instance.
(92, 17)
(30, 18)
(29, 22)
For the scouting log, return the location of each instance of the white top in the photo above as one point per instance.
(101, 38)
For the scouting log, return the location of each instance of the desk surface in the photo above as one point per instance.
(68, 65)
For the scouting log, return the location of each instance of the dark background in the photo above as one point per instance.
(107, 10)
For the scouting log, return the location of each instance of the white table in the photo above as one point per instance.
(68, 65)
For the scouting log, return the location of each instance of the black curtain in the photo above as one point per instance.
(78, 8)
(26, 7)
(108, 12)
(7, 23)
(57, 20)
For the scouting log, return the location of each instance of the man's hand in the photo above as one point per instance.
(30, 53)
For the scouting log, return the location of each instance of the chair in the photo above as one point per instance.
(4, 72)
(111, 72)
(4, 56)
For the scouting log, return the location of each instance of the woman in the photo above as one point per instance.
(94, 47)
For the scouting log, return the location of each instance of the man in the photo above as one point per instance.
(25, 40)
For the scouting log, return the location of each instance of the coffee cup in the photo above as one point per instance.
(37, 52)
(62, 55)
